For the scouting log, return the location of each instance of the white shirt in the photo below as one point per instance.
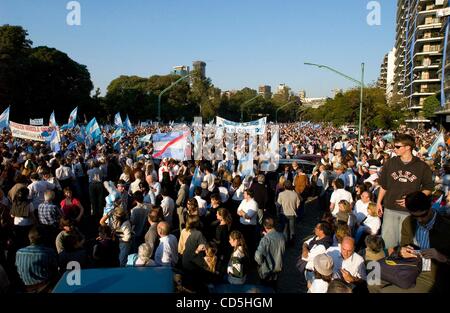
(360, 211)
(63, 173)
(157, 187)
(209, 178)
(318, 286)
(374, 223)
(250, 208)
(168, 205)
(354, 265)
(167, 252)
(201, 205)
(315, 251)
(338, 195)
(37, 190)
(134, 186)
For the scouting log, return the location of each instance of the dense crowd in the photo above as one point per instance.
(110, 205)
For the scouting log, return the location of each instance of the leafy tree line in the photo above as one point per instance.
(35, 81)
(376, 111)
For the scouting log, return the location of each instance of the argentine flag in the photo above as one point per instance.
(55, 141)
(4, 119)
(117, 134)
(118, 120)
(52, 120)
(195, 182)
(72, 120)
(127, 125)
(439, 141)
(93, 130)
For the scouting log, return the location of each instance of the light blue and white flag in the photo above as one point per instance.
(245, 166)
(117, 134)
(93, 130)
(146, 138)
(195, 182)
(55, 141)
(127, 125)
(52, 120)
(439, 141)
(389, 137)
(118, 120)
(4, 119)
(72, 120)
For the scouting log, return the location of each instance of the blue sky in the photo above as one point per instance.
(245, 43)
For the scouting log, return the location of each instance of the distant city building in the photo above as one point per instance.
(181, 70)
(266, 91)
(313, 102)
(302, 95)
(337, 91)
(386, 79)
(284, 91)
(228, 93)
(200, 67)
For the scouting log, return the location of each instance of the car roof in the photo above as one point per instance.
(299, 161)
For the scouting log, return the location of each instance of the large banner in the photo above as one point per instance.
(28, 131)
(257, 127)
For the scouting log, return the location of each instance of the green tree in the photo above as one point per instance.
(35, 81)
(430, 106)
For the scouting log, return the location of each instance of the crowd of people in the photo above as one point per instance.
(105, 207)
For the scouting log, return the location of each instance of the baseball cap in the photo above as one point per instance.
(323, 264)
(373, 168)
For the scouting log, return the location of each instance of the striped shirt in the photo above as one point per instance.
(422, 239)
(36, 264)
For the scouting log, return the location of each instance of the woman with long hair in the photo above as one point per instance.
(221, 238)
(237, 266)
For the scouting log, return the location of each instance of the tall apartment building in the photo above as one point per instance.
(444, 72)
(386, 79)
(382, 80)
(266, 91)
(418, 53)
(200, 67)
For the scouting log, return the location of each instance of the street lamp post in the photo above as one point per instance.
(276, 112)
(360, 83)
(246, 102)
(167, 89)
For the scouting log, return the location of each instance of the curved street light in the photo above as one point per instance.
(276, 112)
(245, 103)
(359, 82)
(167, 89)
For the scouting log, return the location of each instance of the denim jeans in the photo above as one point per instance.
(124, 248)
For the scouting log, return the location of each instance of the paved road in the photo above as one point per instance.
(291, 280)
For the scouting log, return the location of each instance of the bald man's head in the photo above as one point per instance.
(347, 247)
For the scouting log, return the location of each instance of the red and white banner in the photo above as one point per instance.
(28, 132)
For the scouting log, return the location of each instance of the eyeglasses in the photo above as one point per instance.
(421, 215)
